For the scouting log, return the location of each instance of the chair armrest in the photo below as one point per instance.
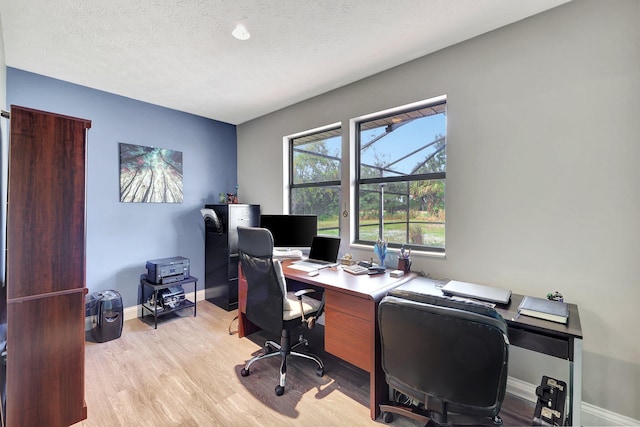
(301, 292)
(310, 322)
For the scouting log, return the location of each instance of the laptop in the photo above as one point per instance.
(480, 292)
(323, 253)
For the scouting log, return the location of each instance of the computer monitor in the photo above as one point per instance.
(291, 231)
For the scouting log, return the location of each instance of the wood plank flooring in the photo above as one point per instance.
(187, 373)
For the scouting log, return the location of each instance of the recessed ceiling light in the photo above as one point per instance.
(241, 33)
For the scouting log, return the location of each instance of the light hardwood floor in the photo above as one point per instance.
(187, 373)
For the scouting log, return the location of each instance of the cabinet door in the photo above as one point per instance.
(45, 203)
(45, 361)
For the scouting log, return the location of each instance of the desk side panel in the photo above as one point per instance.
(348, 335)
(245, 327)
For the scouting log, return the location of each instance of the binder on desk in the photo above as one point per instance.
(556, 311)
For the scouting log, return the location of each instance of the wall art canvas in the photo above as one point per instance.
(150, 174)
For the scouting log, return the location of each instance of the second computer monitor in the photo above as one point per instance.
(291, 231)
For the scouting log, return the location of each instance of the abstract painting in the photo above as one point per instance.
(150, 174)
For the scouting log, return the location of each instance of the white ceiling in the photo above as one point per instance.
(180, 54)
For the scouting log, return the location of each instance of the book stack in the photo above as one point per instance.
(556, 311)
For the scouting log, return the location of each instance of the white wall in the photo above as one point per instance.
(542, 173)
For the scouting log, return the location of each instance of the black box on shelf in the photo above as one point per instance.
(169, 298)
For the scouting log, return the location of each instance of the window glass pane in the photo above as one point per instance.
(413, 212)
(316, 158)
(369, 212)
(321, 201)
(404, 144)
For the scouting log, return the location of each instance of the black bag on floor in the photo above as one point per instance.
(552, 395)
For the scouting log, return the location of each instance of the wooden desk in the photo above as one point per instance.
(542, 336)
(351, 319)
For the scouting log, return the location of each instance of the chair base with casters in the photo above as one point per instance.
(270, 306)
(284, 349)
(434, 418)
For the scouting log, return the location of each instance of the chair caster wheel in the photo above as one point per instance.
(244, 372)
(387, 417)
(279, 390)
(320, 372)
(268, 349)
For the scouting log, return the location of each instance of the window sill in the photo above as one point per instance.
(396, 252)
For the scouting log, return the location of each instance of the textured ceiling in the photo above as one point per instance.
(180, 54)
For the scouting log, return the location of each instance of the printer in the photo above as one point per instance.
(168, 270)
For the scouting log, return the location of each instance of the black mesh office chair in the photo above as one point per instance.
(446, 361)
(270, 306)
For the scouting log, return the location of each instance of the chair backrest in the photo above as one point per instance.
(450, 353)
(264, 292)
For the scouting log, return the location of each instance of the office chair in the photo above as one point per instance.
(270, 306)
(446, 361)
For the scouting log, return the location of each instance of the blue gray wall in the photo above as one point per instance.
(122, 236)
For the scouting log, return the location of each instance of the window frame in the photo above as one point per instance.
(358, 181)
(334, 127)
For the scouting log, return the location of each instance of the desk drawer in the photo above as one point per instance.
(348, 337)
(541, 343)
(352, 305)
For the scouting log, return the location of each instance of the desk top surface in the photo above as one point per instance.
(335, 278)
(510, 311)
(377, 286)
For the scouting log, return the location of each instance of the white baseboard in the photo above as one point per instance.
(131, 312)
(521, 389)
(591, 414)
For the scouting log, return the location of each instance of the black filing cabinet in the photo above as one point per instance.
(221, 252)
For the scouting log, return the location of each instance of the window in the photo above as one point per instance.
(400, 177)
(314, 177)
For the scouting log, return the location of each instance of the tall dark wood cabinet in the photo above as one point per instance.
(221, 252)
(45, 269)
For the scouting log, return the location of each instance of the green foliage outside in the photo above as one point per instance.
(414, 211)
(315, 162)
